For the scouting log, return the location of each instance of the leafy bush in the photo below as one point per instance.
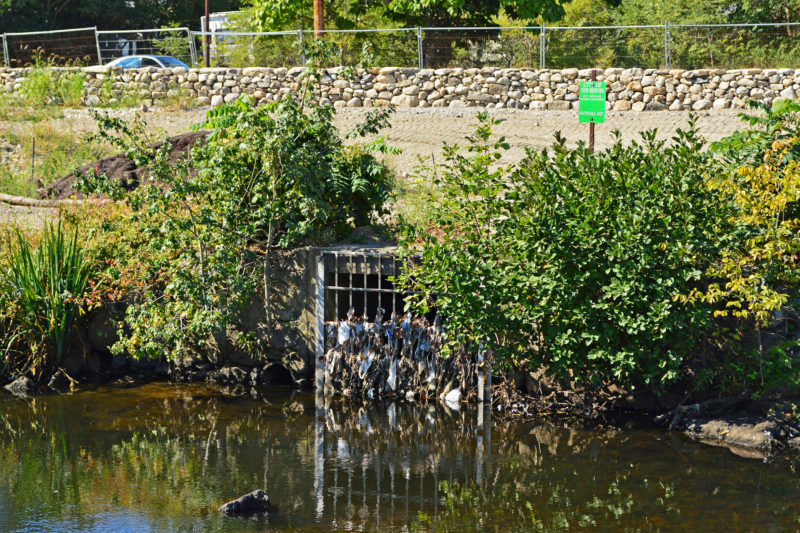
(42, 289)
(779, 122)
(755, 280)
(571, 259)
(267, 177)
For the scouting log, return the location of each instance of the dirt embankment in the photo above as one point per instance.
(119, 168)
(421, 133)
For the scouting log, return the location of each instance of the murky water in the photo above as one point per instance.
(162, 458)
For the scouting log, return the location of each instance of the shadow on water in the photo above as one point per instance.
(163, 457)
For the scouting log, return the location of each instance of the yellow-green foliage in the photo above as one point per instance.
(757, 276)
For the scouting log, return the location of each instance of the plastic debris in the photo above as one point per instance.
(391, 381)
(371, 358)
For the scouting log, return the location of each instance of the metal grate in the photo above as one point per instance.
(362, 281)
(353, 279)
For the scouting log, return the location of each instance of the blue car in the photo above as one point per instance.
(139, 61)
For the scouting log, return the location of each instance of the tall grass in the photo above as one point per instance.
(60, 149)
(43, 288)
(46, 85)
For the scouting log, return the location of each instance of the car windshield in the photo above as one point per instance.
(171, 61)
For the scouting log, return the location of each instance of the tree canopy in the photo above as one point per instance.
(33, 15)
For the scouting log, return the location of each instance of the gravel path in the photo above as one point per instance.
(25, 217)
(421, 132)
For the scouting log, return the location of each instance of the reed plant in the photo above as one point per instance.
(45, 84)
(43, 287)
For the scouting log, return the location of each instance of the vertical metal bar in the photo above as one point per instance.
(192, 47)
(487, 431)
(364, 497)
(408, 478)
(380, 281)
(319, 376)
(542, 45)
(350, 284)
(350, 495)
(300, 44)
(366, 268)
(336, 284)
(479, 448)
(487, 386)
(5, 51)
(669, 44)
(394, 288)
(377, 466)
(319, 455)
(97, 43)
(481, 382)
(335, 489)
(420, 58)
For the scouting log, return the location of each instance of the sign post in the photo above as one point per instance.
(592, 105)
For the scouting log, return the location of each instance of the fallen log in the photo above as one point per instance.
(35, 202)
(697, 410)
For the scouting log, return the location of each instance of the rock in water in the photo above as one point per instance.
(59, 382)
(255, 502)
(20, 386)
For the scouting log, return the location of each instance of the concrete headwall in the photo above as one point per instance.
(246, 354)
(631, 89)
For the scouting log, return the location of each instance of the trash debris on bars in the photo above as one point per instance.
(399, 357)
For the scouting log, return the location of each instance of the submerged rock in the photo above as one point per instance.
(233, 375)
(59, 382)
(21, 386)
(255, 502)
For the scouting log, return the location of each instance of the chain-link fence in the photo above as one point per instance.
(247, 49)
(175, 42)
(727, 46)
(585, 47)
(77, 46)
(734, 46)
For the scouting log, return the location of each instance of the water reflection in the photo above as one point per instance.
(162, 458)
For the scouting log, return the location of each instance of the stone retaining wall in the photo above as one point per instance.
(632, 89)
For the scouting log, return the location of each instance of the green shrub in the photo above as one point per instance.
(571, 259)
(267, 177)
(43, 290)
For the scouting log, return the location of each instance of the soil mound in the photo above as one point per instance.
(120, 168)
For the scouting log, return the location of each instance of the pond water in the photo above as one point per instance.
(162, 457)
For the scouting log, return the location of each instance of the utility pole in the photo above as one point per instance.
(207, 37)
(319, 17)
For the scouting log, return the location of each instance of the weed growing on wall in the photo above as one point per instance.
(45, 84)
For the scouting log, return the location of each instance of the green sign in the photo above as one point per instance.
(592, 101)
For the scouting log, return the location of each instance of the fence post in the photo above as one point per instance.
(6, 59)
(97, 42)
(667, 46)
(192, 47)
(420, 60)
(542, 44)
(300, 42)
